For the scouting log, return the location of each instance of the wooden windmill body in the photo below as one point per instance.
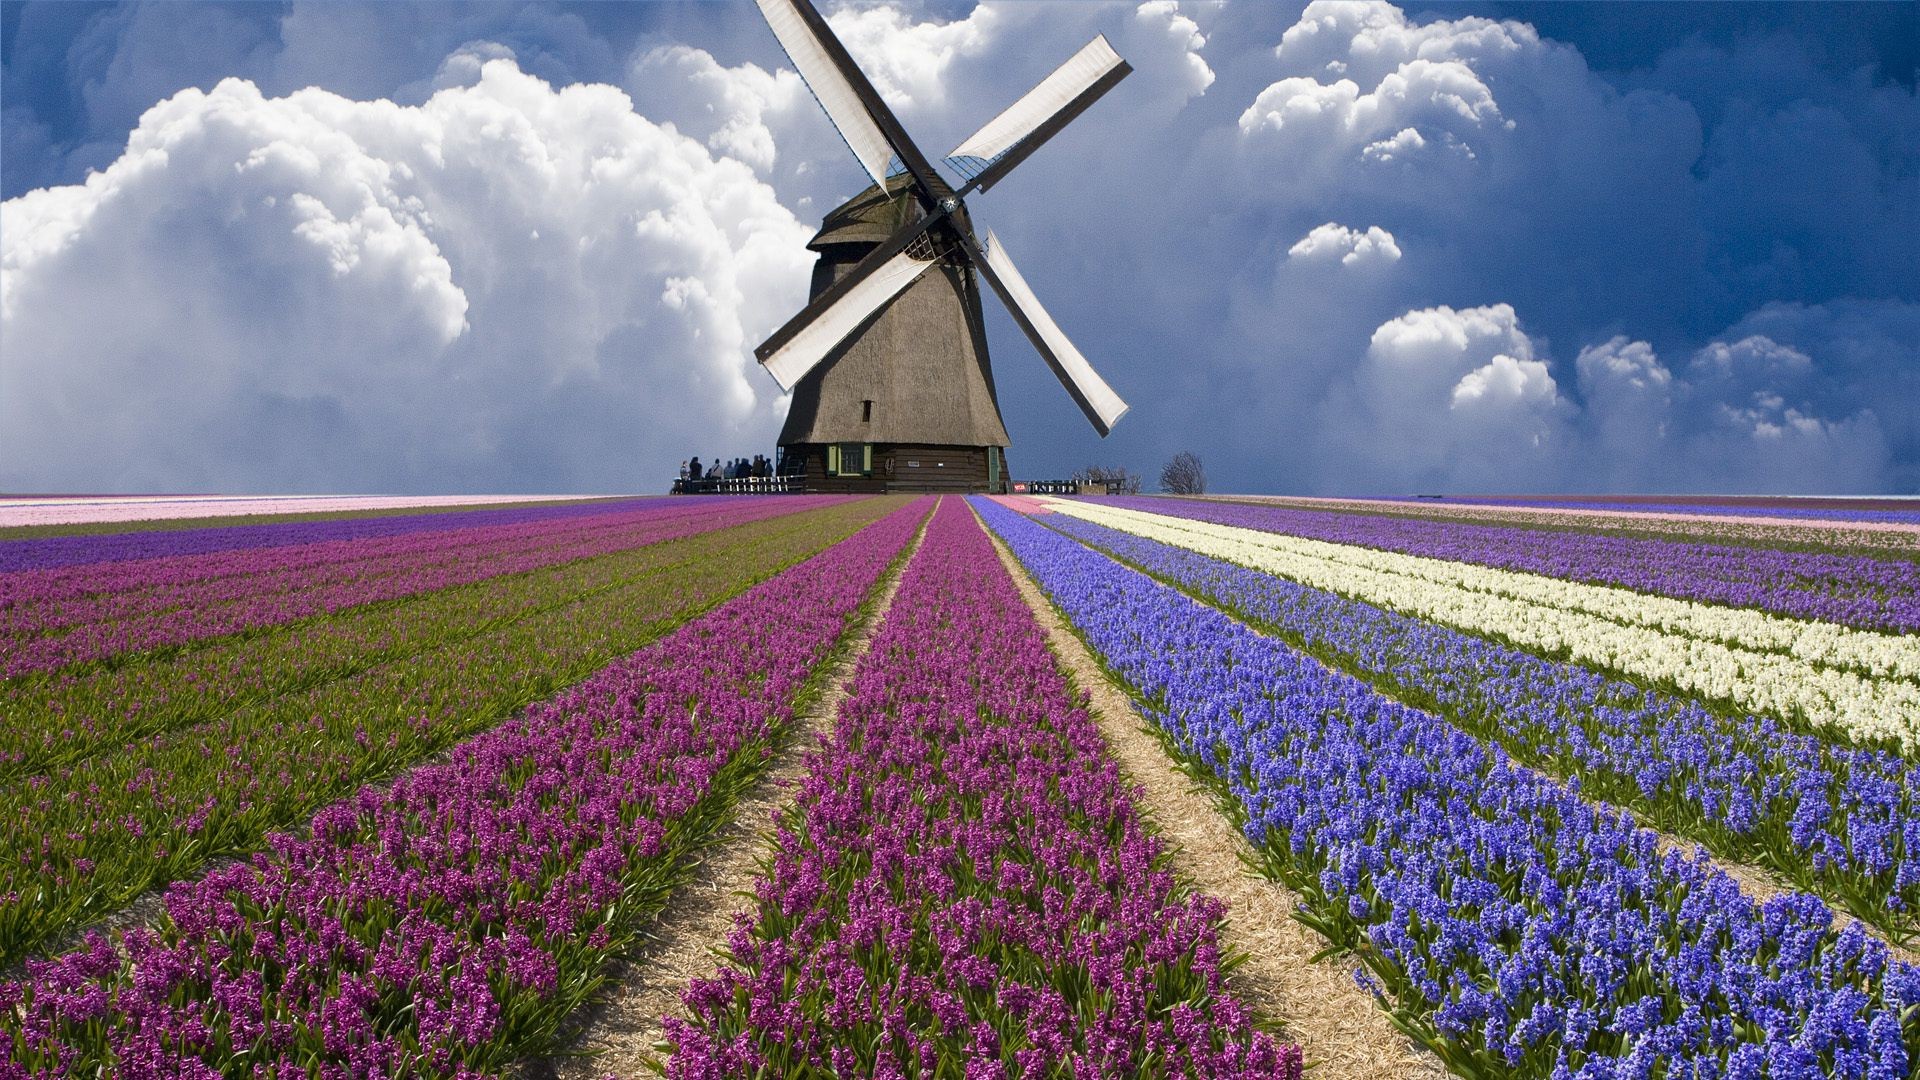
(907, 403)
(892, 388)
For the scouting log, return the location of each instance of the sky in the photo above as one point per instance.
(1331, 248)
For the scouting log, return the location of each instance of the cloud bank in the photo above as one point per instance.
(509, 286)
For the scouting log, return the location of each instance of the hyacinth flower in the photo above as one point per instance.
(1841, 821)
(68, 615)
(119, 541)
(83, 840)
(1849, 589)
(1830, 680)
(1507, 923)
(963, 884)
(446, 923)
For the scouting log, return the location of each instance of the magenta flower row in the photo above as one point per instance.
(446, 923)
(198, 597)
(964, 885)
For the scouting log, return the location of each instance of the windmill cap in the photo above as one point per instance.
(873, 216)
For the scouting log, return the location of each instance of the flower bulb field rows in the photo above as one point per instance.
(359, 791)
(1848, 590)
(1891, 540)
(1834, 819)
(58, 718)
(1514, 927)
(449, 921)
(123, 512)
(88, 611)
(1859, 685)
(80, 840)
(964, 878)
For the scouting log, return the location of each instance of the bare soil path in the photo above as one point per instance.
(1343, 1032)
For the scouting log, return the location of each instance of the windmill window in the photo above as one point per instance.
(850, 459)
(866, 411)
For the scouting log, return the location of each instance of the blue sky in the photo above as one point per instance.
(1335, 248)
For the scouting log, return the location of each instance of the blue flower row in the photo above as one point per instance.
(1512, 926)
(1840, 821)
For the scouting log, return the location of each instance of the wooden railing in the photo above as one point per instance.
(741, 485)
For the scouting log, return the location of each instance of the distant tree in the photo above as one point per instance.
(1183, 475)
(1101, 475)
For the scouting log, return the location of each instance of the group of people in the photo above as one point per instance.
(738, 468)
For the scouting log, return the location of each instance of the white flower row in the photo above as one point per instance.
(1848, 679)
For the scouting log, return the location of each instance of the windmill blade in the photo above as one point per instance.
(1095, 398)
(871, 130)
(1026, 125)
(830, 87)
(821, 326)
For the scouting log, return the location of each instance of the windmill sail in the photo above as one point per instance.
(830, 86)
(788, 357)
(1102, 406)
(1027, 124)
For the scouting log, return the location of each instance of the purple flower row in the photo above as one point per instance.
(40, 600)
(1784, 509)
(964, 884)
(80, 840)
(46, 589)
(194, 602)
(448, 922)
(1853, 590)
(1516, 928)
(55, 551)
(1845, 822)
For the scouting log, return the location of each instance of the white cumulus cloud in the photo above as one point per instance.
(1504, 381)
(507, 284)
(1393, 78)
(1455, 398)
(1353, 247)
(907, 60)
(1164, 18)
(734, 110)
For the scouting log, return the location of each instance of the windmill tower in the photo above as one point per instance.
(892, 389)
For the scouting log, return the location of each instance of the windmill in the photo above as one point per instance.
(887, 363)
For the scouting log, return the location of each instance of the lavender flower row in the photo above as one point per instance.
(80, 841)
(1682, 506)
(1517, 929)
(450, 921)
(225, 606)
(964, 883)
(55, 551)
(1844, 822)
(1852, 590)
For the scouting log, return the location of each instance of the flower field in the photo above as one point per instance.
(362, 788)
